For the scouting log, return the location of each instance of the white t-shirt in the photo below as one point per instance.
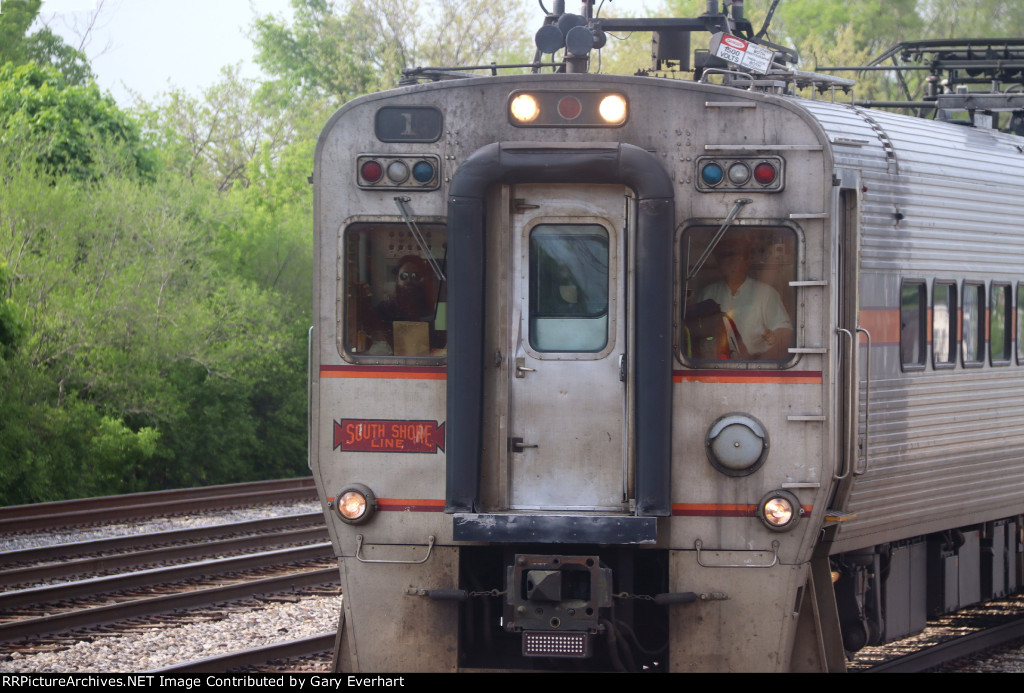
(755, 307)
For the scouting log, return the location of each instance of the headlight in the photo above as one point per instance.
(613, 109)
(524, 108)
(577, 108)
(355, 504)
(779, 510)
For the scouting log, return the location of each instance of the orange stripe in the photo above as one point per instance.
(727, 376)
(422, 505)
(882, 323)
(391, 372)
(721, 510)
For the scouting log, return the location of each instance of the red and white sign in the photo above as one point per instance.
(743, 53)
(388, 435)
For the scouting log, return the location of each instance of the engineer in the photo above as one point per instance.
(754, 308)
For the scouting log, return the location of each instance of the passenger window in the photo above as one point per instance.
(944, 324)
(1000, 333)
(568, 287)
(972, 348)
(395, 297)
(738, 304)
(912, 325)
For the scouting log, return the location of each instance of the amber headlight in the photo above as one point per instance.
(613, 109)
(779, 510)
(524, 108)
(356, 504)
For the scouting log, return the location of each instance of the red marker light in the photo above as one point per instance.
(569, 107)
(371, 171)
(765, 173)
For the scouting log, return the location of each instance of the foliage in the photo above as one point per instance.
(220, 133)
(43, 47)
(338, 51)
(145, 361)
(61, 122)
(972, 18)
(11, 328)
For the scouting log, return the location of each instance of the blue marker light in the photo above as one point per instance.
(712, 174)
(423, 171)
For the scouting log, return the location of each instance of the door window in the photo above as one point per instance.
(568, 287)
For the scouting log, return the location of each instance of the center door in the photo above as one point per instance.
(568, 444)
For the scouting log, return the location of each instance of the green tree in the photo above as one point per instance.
(146, 358)
(219, 134)
(11, 329)
(42, 47)
(340, 50)
(973, 19)
(15, 19)
(60, 122)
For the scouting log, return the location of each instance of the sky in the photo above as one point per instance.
(146, 46)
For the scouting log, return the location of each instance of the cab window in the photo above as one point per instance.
(395, 296)
(738, 304)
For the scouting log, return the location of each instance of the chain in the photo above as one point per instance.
(489, 593)
(703, 597)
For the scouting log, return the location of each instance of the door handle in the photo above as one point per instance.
(517, 445)
(522, 369)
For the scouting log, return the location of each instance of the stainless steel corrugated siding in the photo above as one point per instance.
(946, 447)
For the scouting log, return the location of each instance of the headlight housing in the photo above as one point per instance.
(355, 504)
(779, 510)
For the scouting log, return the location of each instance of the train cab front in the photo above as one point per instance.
(564, 484)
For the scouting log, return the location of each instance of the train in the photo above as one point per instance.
(640, 373)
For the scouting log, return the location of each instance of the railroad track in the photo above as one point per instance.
(947, 639)
(319, 648)
(942, 654)
(103, 556)
(87, 511)
(56, 596)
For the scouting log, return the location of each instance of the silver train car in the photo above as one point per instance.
(628, 373)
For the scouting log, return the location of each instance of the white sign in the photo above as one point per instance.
(743, 53)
